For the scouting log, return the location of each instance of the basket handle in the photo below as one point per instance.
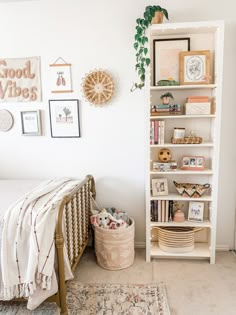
(206, 185)
(198, 229)
(175, 183)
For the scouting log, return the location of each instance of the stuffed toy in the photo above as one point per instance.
(121, 215)
(106, 220)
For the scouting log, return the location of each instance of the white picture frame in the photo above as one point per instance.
(64, 118)
(196, 211)
(31, 123)
(159, 187)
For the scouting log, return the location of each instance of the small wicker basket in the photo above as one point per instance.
(176, 239)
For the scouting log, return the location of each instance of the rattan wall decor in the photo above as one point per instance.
(98, 87)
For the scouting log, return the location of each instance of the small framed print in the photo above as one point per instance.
(159, 187)
(31, 123)
(193, 163)
(196, 211)
(64, 118)
(195, 67)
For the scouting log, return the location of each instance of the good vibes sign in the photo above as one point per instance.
(20, 80)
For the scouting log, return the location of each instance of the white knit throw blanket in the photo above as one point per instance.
(28, 251)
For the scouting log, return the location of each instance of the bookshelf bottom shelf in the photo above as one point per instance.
(201, 251)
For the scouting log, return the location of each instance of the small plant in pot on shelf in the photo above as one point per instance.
(141, 41)
(166, 98)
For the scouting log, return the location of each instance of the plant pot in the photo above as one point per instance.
(158, 18)
(166, 100)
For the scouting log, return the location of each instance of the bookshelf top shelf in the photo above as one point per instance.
(183, 87)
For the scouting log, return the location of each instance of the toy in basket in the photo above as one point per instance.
(191, 190)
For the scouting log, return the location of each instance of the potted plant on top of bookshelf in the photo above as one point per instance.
(166, 98)
(141, 40)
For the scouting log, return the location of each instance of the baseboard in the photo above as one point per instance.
(223, 248)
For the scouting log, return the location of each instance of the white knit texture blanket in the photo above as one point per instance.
(27, 248)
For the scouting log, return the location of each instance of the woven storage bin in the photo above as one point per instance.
(191, 190)
(115, 248)
(176, 239)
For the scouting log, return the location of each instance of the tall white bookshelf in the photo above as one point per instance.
(207, 35)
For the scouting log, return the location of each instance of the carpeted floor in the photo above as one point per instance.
(102, 299)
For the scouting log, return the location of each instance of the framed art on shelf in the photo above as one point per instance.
(195, 67)
(31, 123)
(159, 187)
(193, 163)
(166, 58)
(64, 118)
(195, 212)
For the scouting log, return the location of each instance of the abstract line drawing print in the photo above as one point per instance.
(195, 68)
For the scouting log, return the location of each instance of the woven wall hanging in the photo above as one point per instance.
(98, 87)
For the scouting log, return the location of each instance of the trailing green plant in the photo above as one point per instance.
(167, 94)
(141, 41)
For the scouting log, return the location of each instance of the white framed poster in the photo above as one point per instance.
(64, 118)
(31, 123)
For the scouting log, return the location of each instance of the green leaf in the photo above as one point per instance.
(136, 37)
(145, 51)
(137, 66)
(165, 13)
(148, 61)
(142, 77)
(138, 21)
(146, 15)
(158, 9)
(136, 46)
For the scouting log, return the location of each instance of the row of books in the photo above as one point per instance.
(157, 132)
(162, 210)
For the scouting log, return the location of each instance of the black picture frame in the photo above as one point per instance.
(61, 124)
(185, 47)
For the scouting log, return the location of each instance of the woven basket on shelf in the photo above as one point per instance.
(176, 239)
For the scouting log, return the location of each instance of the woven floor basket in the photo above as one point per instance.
(176, 239)
(115, 248)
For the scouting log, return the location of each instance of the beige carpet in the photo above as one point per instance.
(102, 299)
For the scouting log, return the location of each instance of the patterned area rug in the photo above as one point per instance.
(102, 299)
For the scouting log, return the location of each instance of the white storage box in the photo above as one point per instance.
(198, 108)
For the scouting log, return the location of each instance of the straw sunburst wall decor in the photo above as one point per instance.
(98, 87)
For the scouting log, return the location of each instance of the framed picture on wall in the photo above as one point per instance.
(195, 67)
(31, 123)
(166, 58)
(64, 118)
(60, 76)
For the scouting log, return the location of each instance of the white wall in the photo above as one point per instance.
(99, 34)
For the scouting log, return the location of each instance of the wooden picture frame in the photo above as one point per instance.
(193, 163)
(195, 67)
(159, 187)
(31, 123)
(64, 118)
(166, 57)
(196, 211)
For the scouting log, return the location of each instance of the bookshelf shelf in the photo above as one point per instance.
(182, 116)
(183, 87)
(205, 223)
(208, 35)
(201, 250)
(204, 144)
(181, 172)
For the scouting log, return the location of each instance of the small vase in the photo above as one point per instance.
(158, 18)
(179, 216)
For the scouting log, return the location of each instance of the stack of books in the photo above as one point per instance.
(164, 167)
(198, 105)
(162, 210)
(157, 131)
(162, 109)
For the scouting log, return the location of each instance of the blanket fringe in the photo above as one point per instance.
(24, 290)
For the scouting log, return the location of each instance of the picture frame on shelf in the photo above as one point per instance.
(31, 123)
(166, 58)
(196, 211)
(159, 187)
(195, 67)
(193, 163)
(64, 118)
